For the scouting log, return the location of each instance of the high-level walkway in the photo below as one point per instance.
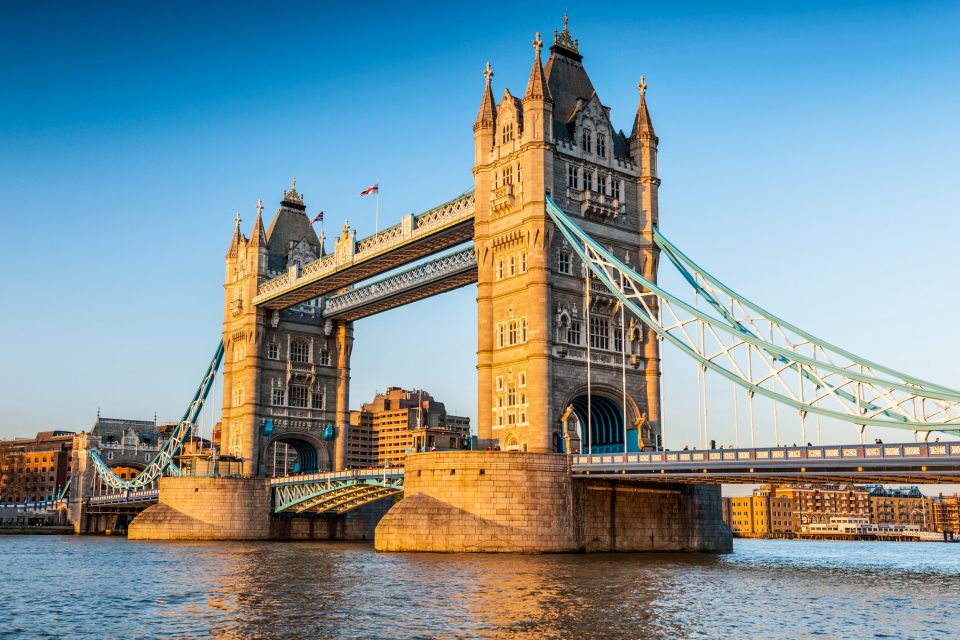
(416, 237)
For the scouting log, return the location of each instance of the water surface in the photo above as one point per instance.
(96, 587)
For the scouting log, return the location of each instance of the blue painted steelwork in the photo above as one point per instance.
(864, 398)
(163, 462)
(606, 423)
(334, 493)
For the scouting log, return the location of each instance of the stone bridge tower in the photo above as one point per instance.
(533, 328)
(286, 373)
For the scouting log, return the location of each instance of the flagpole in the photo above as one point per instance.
(376, 219)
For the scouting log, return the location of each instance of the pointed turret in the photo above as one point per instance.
(487, 116)
(642, 124)
(537, 84)
(259, 236)
(484, 127)
(237, 238)
(643, 151)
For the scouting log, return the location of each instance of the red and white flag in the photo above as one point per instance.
(319, 218)
(374, 189)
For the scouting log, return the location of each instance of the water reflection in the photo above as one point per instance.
(99, 587)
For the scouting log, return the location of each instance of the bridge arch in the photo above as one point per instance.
(604, 412)
(293, 452)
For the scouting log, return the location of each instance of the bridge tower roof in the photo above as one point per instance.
(289, 227)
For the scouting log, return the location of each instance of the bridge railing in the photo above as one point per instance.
(778, 454)
(143, 495)
(351, 474)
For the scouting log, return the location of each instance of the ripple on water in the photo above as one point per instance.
(109, 587)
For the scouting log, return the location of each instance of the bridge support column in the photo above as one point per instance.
(498, 501)
(206, 509)
(344, 347)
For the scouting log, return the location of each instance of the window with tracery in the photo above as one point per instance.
(299, 351)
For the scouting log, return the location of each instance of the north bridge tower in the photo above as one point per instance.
(537, 321)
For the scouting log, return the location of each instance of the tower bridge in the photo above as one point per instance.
(563, 219)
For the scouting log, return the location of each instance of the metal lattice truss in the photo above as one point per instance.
(447, 272)
(163, 462)
(335, 493)
(762, 353)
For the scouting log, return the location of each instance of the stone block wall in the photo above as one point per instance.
(485, 501)
(206, 509)
(497, 501)
(620, 515)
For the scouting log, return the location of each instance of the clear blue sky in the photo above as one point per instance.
(808, 157)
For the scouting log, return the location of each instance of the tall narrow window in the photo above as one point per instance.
(299, 351)
(599, 333)
(298, 396)
(571, 176)
(523, 262)
(512, 266)
(273, 351)
(588, 180)
(523, 329)
(587, 140)
(601, 144)
(512, 332)
(573, 332)
(317, 399)
(616, 189)
(617, 340)
(325, 358)
(518, 173)
(602, 183)
(563, 262)
(278, 397)
(500, 269)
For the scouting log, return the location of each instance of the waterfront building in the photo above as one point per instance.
(946, 513)
(37, 468)
(785, 510)
(902, 505)
(398, 422)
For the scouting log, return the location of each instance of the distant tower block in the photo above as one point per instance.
(531, 297)
(286, 373)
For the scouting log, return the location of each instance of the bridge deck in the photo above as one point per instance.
(919, 463)
(416, 237)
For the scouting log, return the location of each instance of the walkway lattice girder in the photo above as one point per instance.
(446, 273)
(438, 229)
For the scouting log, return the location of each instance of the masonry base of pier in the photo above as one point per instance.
(206, 509)
(517, 502)
(240, 509)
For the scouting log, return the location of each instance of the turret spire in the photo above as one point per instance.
(487, 115)
(642, 123)
(237, 237)
(537, 84)
(258, 235)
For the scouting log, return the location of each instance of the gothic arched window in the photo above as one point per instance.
(299, 351)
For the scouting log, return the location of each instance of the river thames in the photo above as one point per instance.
(98, 587)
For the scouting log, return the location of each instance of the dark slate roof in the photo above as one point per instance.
(289, 225)
(567, 81)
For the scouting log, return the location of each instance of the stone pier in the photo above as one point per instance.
(476, 501)
(206, 509)
(240, 509)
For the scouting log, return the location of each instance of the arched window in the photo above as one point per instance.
(299, 351)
